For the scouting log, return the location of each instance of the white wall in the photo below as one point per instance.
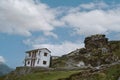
(42, 58)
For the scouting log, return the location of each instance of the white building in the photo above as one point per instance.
(38, 58)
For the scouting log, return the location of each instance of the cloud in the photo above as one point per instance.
(93, 20)
(60, 49)
(35, 40)
(23, 17)
(92, 5)
(86, 19)
(2, 60)
(26, 16)
(57, 49)
(51, 34)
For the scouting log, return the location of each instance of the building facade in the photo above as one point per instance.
(38, 58)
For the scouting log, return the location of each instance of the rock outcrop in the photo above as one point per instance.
(98, 50)
(96, 42)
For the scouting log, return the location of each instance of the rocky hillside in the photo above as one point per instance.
(98, 50)
(115, 47)
(107, 73)
(99, 60)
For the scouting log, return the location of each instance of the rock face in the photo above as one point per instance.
(95, 42)
(98, 50)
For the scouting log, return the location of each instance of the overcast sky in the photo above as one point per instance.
(59, 25)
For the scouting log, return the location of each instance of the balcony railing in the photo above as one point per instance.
(27, 57)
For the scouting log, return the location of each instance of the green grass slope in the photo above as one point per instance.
(111, 73)
(115, 47)
(48, 75)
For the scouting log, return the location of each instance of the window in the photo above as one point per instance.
(45, 54)
(44, 62)
(28, 62)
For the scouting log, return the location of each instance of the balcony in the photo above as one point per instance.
(27, 57)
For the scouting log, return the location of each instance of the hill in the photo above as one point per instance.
(98, 51)
(31, 73)
(109, 73)
(4, 69)
(98, 60)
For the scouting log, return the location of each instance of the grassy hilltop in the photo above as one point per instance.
(111, 73)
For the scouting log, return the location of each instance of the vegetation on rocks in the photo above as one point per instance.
(106, 73)
(98, 50)
(111, 73)
(115, 47)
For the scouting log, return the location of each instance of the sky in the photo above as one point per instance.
(59, 25)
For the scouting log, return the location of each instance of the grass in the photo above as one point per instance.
(112, 73)
(53, 75)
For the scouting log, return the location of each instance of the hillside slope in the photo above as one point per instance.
(99, 60)
(115, 47)
(110, 73)
(40, 75)
(98, 50)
